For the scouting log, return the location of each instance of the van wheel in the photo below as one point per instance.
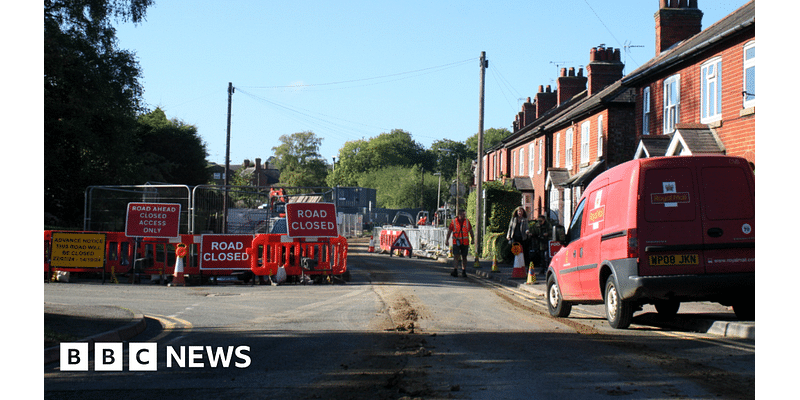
(667, 308)
(555, 303)
(619, 313)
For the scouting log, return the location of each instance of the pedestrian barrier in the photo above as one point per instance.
(326, 257)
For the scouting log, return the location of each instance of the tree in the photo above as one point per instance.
(491, 137)
(91, 98)
(170, 151)
(395, 148)
(299, 161)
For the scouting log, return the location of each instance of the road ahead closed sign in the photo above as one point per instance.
(157, 220)
(311, 220)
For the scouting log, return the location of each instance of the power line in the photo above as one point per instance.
(418, 72)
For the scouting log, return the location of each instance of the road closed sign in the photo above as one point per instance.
(157, 220)
(225, 252)
(311, 220)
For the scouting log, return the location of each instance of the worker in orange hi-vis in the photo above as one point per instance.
(461, 230)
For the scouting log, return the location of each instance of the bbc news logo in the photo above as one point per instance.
(109, 356)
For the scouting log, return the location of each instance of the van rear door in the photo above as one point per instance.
(669, 228)
(728, 213)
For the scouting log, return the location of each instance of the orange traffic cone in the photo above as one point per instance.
(494, 264)
(531, 275)
(371, 248)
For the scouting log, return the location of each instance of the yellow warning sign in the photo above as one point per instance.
(78, 250)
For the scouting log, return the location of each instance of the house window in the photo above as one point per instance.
(522, 161)
(599, 136)
(749, 84)
(672, 102)
(541, 155)
(568, 149)
(711, 91)
(556, 159)
(531, 158)
(646, 111)
(585, 135)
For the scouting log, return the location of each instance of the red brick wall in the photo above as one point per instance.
(737, 126)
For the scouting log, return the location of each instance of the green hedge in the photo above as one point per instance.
(501, 200)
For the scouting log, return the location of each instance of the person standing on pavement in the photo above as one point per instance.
(519, 231)
(461, 230)
(541, 231)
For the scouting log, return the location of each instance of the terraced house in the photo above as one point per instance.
(696, 96)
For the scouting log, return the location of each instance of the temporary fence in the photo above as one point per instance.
(425, 240)
(203, 207)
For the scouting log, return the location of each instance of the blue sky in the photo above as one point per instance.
(348, 70)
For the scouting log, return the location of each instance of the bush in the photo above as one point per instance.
(495, 244)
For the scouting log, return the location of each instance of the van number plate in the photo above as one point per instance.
(675, 259)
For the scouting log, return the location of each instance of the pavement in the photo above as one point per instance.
(704, 317)
(88, 324)
(115, 324)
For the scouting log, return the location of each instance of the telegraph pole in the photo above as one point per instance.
(479, 170)
(227, 162)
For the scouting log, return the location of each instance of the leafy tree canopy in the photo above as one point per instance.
(299, 160)
(170, 151)
(491, 137)
(91, 98)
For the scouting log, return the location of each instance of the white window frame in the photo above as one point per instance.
(586, 135)
(521, 154)
(711, 90)
(646, 111)
(600, 134)
(557, 158)
(568, 147)
(672, 103)
(531, 158)
(540, 144)
(748, 98)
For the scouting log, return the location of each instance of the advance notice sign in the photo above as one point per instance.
(157, 220)
(311, 220)
(227, 252)
(78, 250)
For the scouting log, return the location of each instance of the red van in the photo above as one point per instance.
(660, 231)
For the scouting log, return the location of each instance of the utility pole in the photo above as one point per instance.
(479, 170)
(227, 163)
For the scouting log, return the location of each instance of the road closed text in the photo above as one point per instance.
(311, 220)
(225, 252)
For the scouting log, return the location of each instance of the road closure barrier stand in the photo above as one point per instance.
(299, 256)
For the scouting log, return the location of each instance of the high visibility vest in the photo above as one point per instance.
(460, 231)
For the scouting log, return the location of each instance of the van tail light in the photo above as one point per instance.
(633, 244)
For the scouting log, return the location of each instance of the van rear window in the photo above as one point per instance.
(669, 195)
(726, 193)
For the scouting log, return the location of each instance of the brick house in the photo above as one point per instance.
(563, 138)
(696, 96)
(699, 89)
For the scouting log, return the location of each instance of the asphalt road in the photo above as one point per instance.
(401, 328)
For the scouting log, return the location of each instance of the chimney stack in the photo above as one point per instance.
(569, 84)
(545, 100)
(604, 68)
(676, 20)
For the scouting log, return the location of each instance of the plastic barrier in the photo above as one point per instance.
(326, 256)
